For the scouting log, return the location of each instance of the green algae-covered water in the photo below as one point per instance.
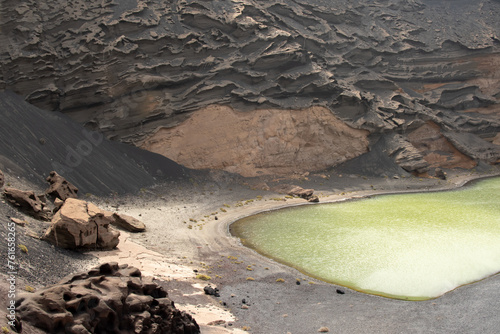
(407, 246)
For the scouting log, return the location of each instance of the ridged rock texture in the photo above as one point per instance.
(135, 70)
(108, 299)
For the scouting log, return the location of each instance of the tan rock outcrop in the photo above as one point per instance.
(2, 179)
(60, 187)
(79, 224)
(107, 299)
(261, 142)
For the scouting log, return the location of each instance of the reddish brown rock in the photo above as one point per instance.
(28, 202)
(128, 223)
(107, 299)
(60, 187)
(79, 224)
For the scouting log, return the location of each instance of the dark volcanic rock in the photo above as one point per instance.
(130, 68)
(60, 187)
(211, 291)
(28, 202)
(440, 174)
(107, 299)
(405, 154)
(475, 147)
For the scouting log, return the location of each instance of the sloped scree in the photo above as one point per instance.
(108, 299)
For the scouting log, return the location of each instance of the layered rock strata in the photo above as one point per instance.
(129, 68)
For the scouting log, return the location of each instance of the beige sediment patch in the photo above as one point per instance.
(496, 140)
(260, 142)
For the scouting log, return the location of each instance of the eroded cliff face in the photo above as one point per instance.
(129, 68)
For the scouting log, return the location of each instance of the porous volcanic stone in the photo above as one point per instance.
(60, 187)
(108, 299)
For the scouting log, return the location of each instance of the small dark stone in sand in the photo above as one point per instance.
(211, 291)
(340, 292)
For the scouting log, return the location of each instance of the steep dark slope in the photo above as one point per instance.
(130, 68)
(34, 142)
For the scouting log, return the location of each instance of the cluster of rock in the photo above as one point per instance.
(385, 67)
(307, 194)
(108, 299)
(29, 202)
(79, 225)
(75, 224)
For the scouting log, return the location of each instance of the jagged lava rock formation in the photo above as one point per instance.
(135, 70)
(108, 299)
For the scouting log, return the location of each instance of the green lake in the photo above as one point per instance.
(407, 246)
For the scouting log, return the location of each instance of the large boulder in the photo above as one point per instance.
(107, 299)
(81, 225)
(2, 179)
(28, 202)
(128, 223)
(306, 194)
(301, 192)
(60, 187)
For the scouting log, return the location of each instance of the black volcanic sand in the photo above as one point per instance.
(34, 142)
